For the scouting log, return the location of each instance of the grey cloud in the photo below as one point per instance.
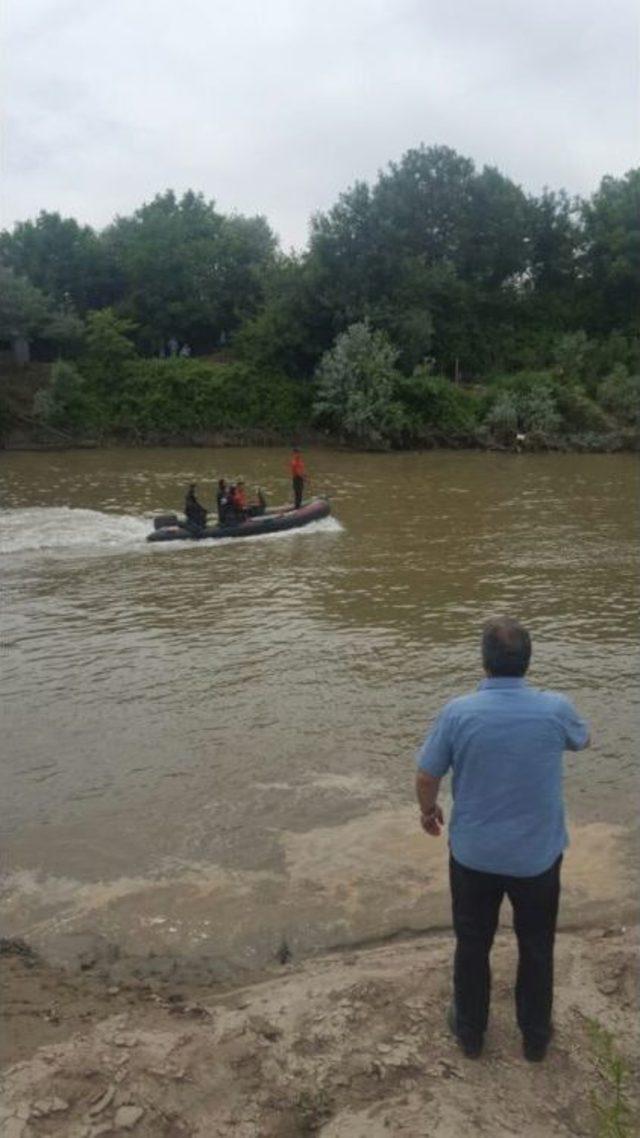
(276, 108)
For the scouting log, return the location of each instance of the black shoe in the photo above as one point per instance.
(470, 1045)
(535, 1050)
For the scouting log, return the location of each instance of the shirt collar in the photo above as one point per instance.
(502, 682)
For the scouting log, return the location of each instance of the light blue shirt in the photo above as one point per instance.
(504, 745)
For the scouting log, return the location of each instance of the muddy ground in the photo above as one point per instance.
(348, 1045)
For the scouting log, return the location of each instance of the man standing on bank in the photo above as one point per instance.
(504, 745)
(297, 476)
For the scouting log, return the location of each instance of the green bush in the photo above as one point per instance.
(546, 405)
(620, 394)
(356, 381)
(579, 412)
(572, 356)
(501, 420)
(186, 395)
(538, 412)
(109, 349)
(433, 404)
(69, 403)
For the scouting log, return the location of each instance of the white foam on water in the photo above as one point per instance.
(59, 528)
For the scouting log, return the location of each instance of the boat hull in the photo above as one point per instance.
(274, 520)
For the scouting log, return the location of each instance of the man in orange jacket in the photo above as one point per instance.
(297, 475)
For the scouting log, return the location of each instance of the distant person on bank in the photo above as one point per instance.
(503, 745)
(195, 512)
(297, 476)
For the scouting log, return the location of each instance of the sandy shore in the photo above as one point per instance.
(128, 1009)
(348, 1045)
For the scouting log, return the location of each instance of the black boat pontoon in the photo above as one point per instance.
(275, 519)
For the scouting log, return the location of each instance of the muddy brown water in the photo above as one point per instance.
(209, 748)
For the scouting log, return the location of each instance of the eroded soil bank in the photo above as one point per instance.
(350, 1045)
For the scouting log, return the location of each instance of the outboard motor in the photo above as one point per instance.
(166, 520)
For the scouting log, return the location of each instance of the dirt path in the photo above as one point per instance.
(351, 1045)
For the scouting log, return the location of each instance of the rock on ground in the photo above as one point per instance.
(346, 1046)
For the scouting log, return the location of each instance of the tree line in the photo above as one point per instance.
(440, 303)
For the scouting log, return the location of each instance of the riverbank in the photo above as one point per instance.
(45, 440)
(348, 1045)
(140, 1034)
(23, 428)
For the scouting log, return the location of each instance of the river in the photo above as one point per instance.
(208, 749)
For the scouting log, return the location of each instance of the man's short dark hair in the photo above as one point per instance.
(506, 647)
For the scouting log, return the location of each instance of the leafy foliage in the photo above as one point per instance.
(501, 420)
(26, 312)
(612, 1105)
(356, 381)
(610, 258)
(177, 396)
(531, 302)
(24, 309)
(109, 348)
(620, 394)
(66, 261)
(68, 403)
(188, 271)
(433, 407)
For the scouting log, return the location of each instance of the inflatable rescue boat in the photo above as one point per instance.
(274, 519)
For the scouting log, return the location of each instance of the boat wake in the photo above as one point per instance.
(62, 528)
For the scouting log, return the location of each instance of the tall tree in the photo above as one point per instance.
(26, 314)
(24, 309)
(611, 258)
(64, 259)
(189, 271)
(433, 254)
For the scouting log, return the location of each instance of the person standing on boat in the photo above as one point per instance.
(503, 744)
(195, 513)
(297, 476)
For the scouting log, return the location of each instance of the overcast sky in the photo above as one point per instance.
(276, 106)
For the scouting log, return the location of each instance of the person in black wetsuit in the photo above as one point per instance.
(222, 499)
(195, 513)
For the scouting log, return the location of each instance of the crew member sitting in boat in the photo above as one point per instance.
(222, 500)
(237, 511)
(195, 513)
(241, 495)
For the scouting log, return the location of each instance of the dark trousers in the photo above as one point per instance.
(298, 486)
(476, 899)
